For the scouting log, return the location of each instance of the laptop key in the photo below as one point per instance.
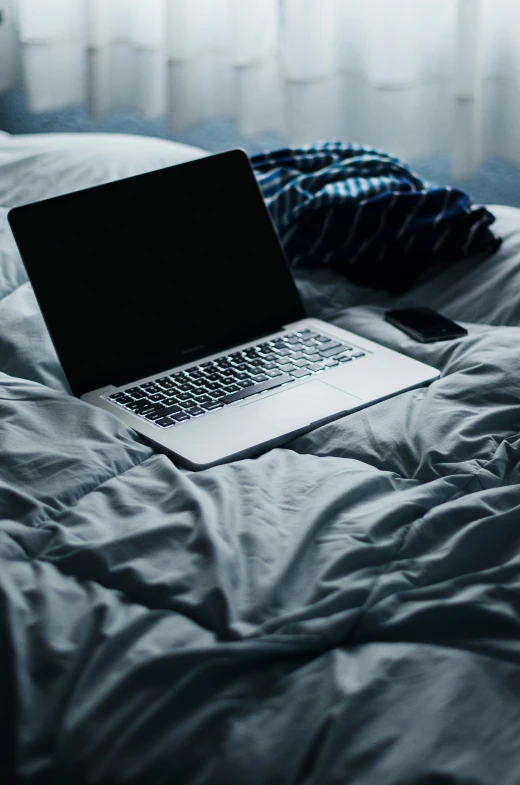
(171, 402)
(326, 344)
(286, 367)
(246, 383)
(165, 422)
(153, 416)
(257, 388)
(153, 390)
(299, 372)
(330, 352)
(136, 396)
(181, 417)
(142, 403)
(170, 410)
(322, 338)
(195, 411)
(260, 378)
(212, 406)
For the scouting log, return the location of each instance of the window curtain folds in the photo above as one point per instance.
(415, 78)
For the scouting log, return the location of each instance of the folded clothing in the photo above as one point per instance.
(366, 213)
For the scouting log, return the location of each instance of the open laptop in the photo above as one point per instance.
(171, 305)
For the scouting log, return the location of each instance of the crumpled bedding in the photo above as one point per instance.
(366, 213)
(342, 609)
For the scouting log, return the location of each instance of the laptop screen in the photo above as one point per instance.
(143, 274)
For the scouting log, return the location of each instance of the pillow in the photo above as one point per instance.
(37, 166)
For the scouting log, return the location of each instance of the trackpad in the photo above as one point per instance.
(303, 405)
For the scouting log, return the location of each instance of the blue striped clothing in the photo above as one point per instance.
(366, 213)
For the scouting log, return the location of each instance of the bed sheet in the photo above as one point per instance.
(343, 609)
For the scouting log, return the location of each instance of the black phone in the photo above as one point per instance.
(424, 324)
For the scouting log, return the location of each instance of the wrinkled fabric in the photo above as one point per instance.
(367, 214)
(342, 609)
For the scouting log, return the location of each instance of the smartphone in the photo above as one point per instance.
(424, 324)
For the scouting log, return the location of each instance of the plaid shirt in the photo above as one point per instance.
(366, 213)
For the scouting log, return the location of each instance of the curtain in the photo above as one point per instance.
(415, 77)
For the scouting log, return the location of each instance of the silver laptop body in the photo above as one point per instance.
(270, 418)
(119, 298)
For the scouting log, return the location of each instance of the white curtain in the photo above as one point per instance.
(416, 77)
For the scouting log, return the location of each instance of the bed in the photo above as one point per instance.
(344, 609)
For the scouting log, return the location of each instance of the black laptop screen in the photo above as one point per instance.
(146, 273)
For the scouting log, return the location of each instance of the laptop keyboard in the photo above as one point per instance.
(208, 387)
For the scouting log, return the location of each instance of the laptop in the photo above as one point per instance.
(171, 305)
